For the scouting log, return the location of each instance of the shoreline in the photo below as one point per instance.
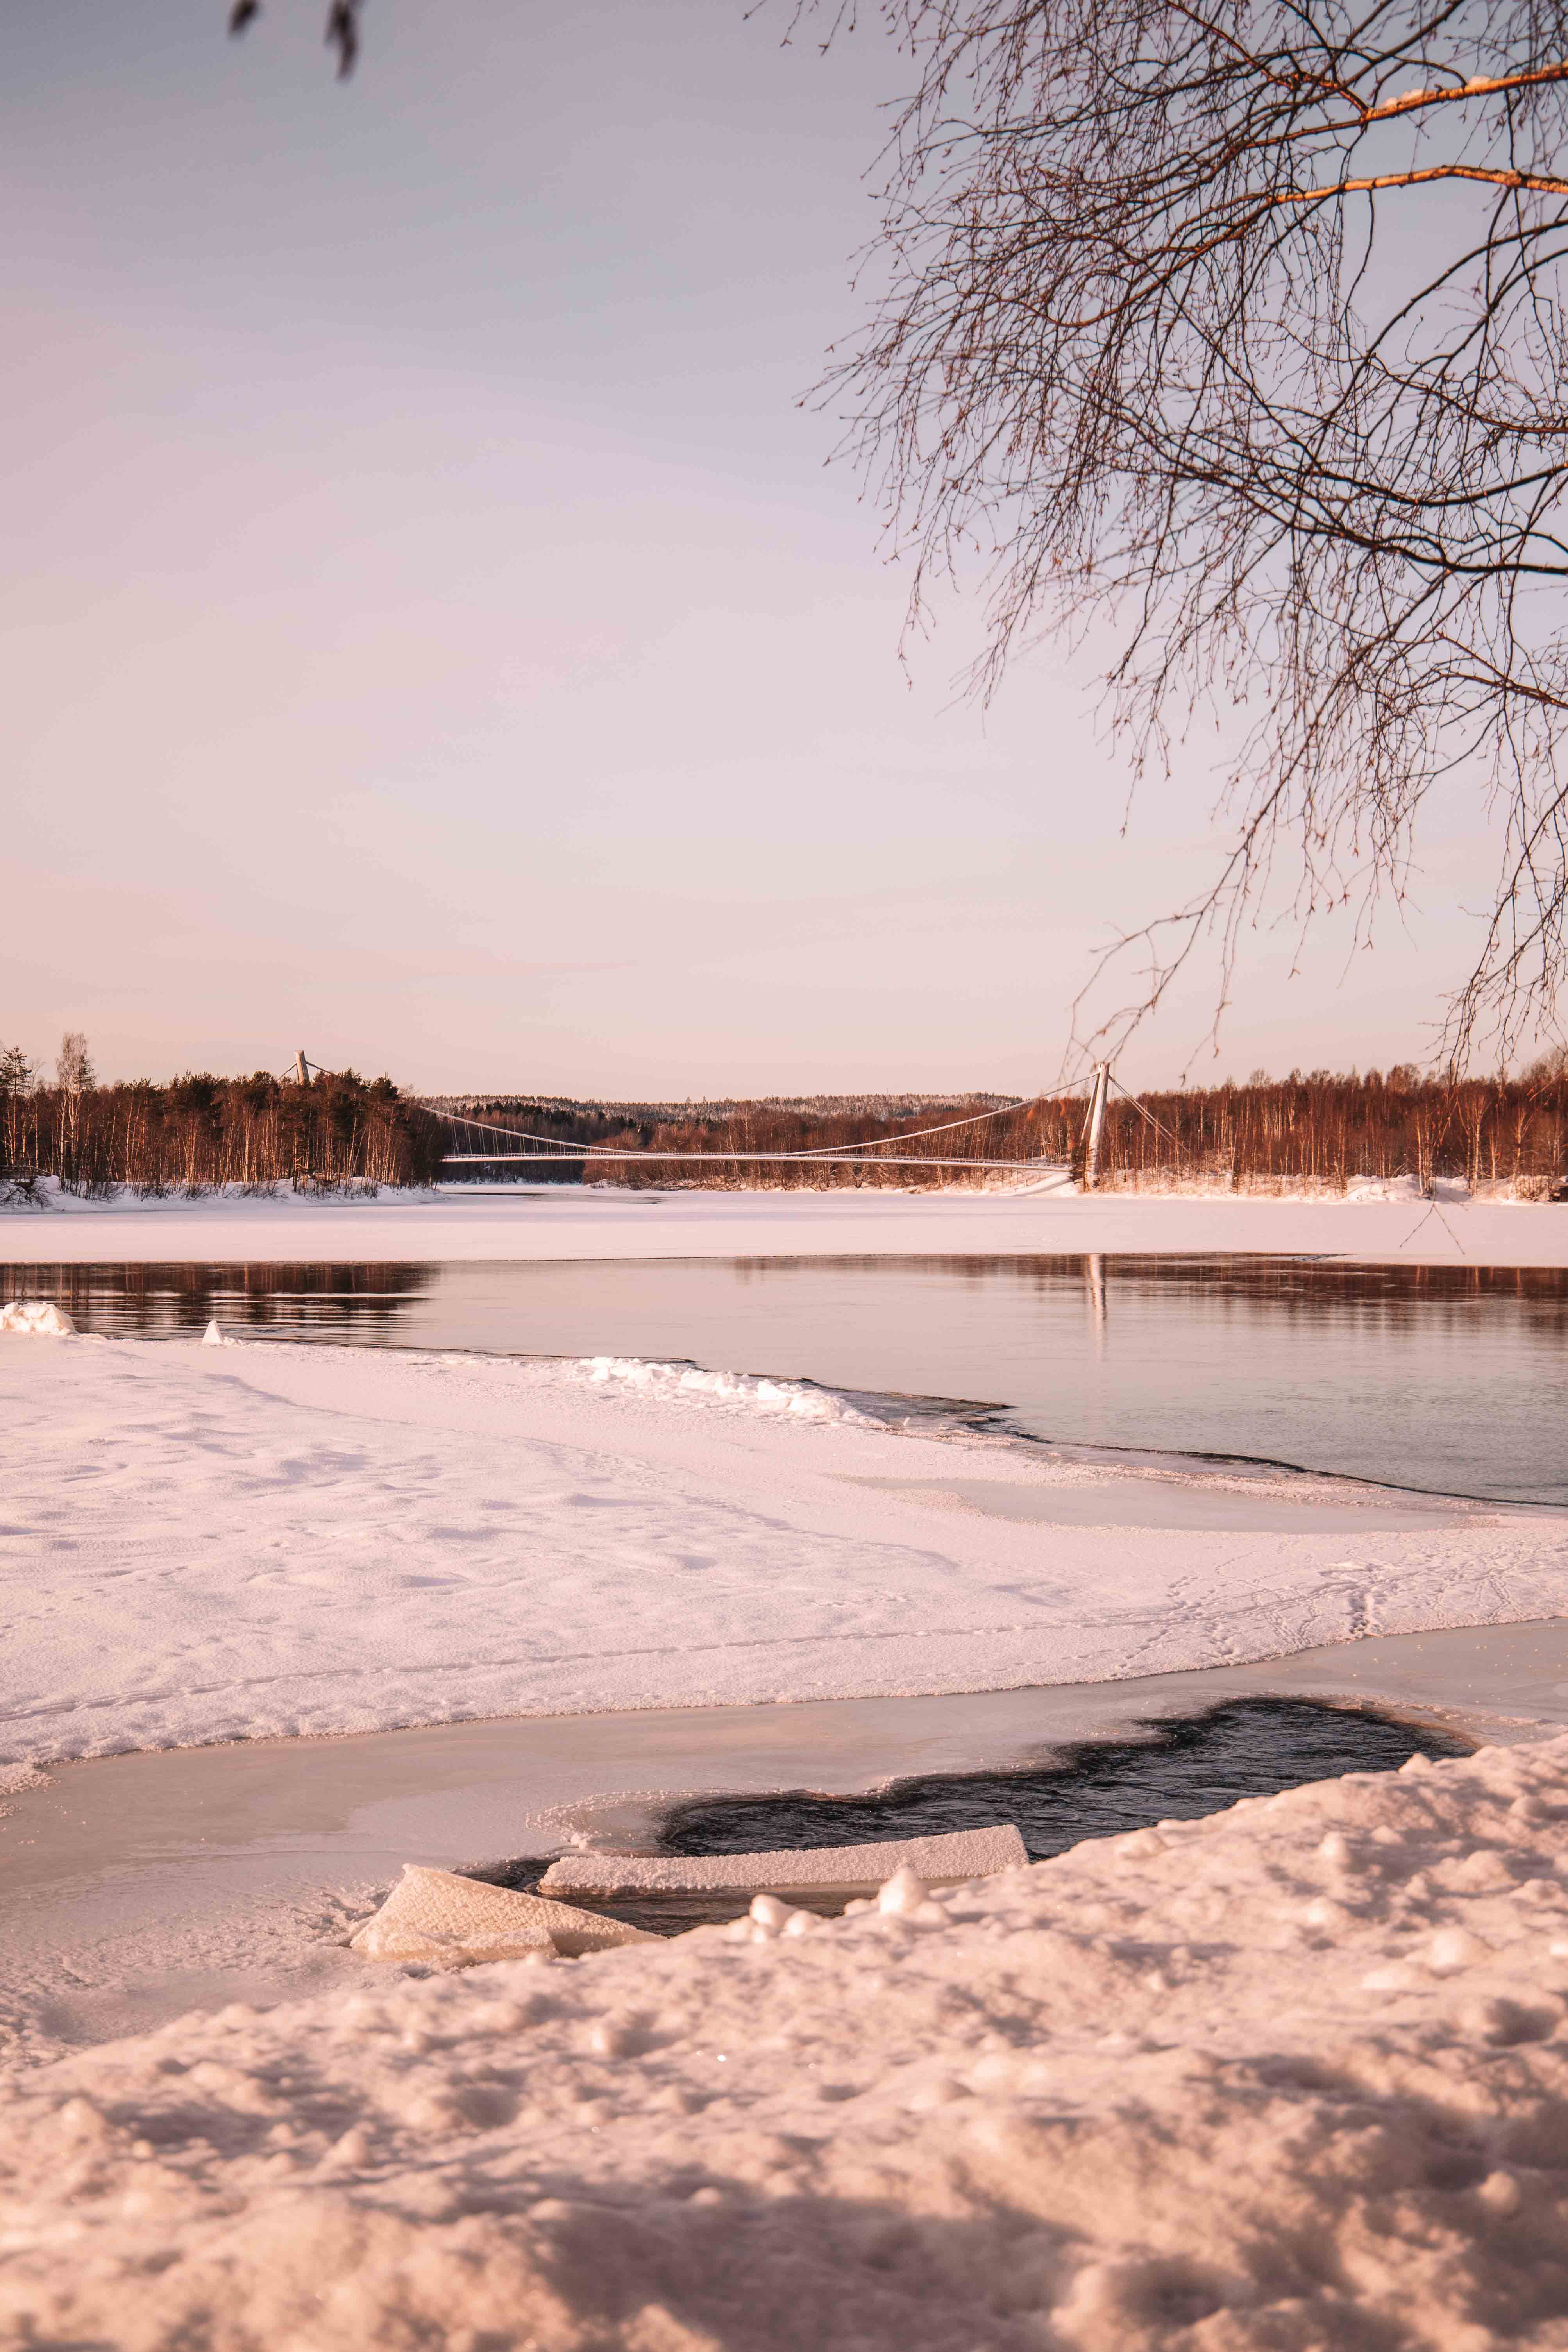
(211, 1542)
(1041, 2092)
(184, 1878)
(568, 1223)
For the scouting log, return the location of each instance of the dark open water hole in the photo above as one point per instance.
(1177, 1771)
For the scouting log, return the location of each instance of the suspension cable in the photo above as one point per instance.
(563, 1149)
(1149, 1115)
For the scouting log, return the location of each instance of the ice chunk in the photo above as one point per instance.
(40, 1315)
(450, 1922)
(945, 1861)
(213, 1338)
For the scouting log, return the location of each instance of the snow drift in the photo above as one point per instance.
(210, 1543)
(40, 1316)
(1291, 2077)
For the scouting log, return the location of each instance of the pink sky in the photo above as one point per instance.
(434, 637)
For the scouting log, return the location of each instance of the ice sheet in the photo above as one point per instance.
(941, 1860)
(562, 1221)
(215, 1543)
(139, 1887)
(446, 1921)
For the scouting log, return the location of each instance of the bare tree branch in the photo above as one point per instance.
(1540, 181)
(1153, 344)
(341, 34)
(1143, 348)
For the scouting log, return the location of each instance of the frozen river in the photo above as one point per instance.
(1453, 1379)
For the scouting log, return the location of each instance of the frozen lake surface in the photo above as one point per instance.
(1453, 1379)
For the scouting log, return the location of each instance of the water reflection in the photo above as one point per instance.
(340, 1302)
(1454, 1378)
(1094, 1291)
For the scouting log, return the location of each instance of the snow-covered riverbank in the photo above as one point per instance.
(1289, 2077)
(565, 1220)
(1286, 2077)
(212, 1543)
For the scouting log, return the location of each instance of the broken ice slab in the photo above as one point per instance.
(832, 1870)
(446, 1922)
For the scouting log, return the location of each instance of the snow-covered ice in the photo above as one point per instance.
(1374, 1221)
(202, 1544)
(193, 1876)
(442, 1920)
(942, 1860)
(1289, 2078)
(1292, 2077)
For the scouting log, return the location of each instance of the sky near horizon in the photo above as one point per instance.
(436, 637)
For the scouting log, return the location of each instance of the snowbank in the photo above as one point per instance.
(215, 1543)
(1379, 1224)
(750, 1390)
(40, 1318)
(1291, 2077)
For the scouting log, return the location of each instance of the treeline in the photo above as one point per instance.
(1325, 1129)
(563, 1122)
(202, 1132)
(1320, 1129)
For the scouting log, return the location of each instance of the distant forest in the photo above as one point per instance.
(1319, 1128)
(1319, 1131)
(201, 1131)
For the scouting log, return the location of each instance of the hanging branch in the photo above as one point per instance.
(1237, 332)
(341, 34)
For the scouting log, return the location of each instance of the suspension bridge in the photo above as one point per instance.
(524, 1149)
(875, 1151)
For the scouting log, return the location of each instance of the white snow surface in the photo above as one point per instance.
(201, 1544)
(1385, 1223)
(803, 1399)
(40, 1318)
(1289, 2078)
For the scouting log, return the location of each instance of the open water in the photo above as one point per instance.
(1181, 1770)
(1187, 1767)
(1454, 1380)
